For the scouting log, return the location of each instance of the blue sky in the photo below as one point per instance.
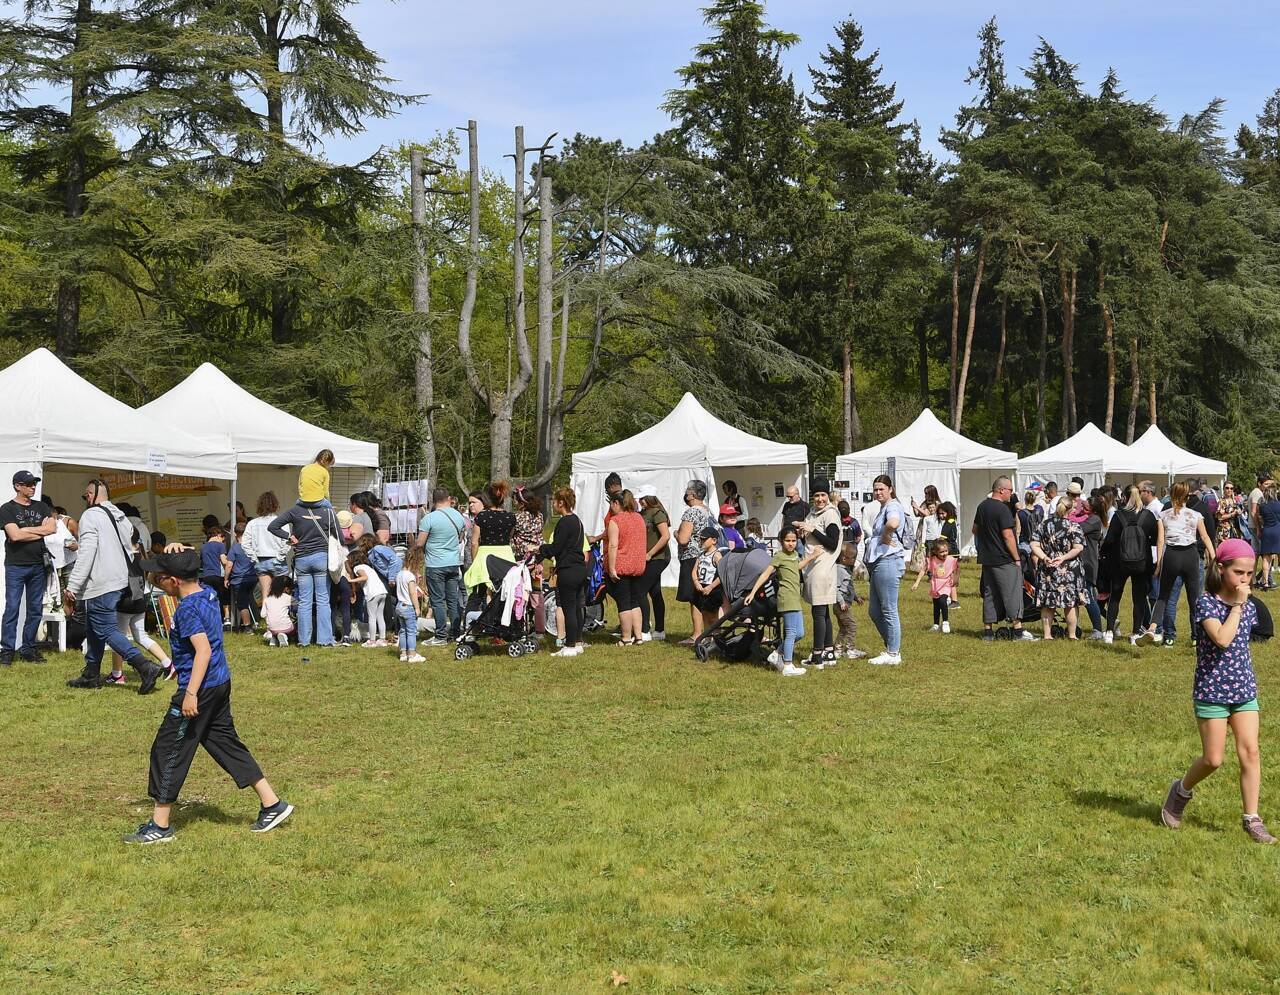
(603, 68)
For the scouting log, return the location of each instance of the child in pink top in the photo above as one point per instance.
(943, 571)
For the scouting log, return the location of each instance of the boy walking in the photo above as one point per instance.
(200, 712)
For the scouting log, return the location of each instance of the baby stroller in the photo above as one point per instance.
(746, 632)
(519, 634)
(593, 594)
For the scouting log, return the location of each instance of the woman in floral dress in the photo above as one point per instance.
(1056, 547)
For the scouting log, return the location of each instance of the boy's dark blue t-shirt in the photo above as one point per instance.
(196, 613)
(242, 568)
(211, 559)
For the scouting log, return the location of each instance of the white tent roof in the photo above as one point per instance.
(211, 404)
(1089, 450)
(928, 440)
(1155, 446)
(53, 415)
(689, 436)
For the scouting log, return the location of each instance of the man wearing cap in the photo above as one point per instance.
(26, 522)
(100, 576)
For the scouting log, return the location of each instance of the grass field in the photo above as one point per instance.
(983, 818)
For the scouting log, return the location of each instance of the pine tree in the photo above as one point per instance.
(849, 86)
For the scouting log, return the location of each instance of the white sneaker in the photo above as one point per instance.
(946, 628)
(1108, 637)
(788, 670)
(646, 637)
(886, 659)
(416, 658)
(269, 637)
(404, 657)
(659, 636)
(856, 654)
(1022, 635)
(282, 639)
(1096, 635)
(935, 628)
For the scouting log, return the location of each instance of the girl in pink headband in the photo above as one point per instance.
(1225, 692)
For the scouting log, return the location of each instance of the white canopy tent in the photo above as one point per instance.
(64, 429)
(1090, 454)
(928, 452)
(1174, 461)
(692, 444)
(269, 445)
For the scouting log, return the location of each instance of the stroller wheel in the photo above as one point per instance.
(515, 649)
(532, 645)
(1004, 633)
(701, 651)
(463, 652)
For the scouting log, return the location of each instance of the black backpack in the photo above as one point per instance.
(1134, 546)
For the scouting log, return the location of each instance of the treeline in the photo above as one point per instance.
(787, 249)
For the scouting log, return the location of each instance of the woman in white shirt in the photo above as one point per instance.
(1177, 529)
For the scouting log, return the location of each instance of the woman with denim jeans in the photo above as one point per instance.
(885, 559)
(311, 528)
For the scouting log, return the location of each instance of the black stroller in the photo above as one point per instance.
(746, 632)
(520, 635)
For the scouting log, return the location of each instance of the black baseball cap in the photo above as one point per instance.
(184, 565)
(708, 533)
(25, 477)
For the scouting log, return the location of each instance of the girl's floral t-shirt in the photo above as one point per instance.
(1223, 676)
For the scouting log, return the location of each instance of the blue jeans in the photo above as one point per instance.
(1095, 613)
(17, 581)
(444, 587)
(792, 632)
(313, 598)
(408, 628)
(884, 577)
(1170, 620)
(103, 631)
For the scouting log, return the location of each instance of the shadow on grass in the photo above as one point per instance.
(199, 811)
(1143, 810)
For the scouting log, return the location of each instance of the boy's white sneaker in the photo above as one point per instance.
(935, 628)
(856, 654)
(646, 637)
(946, 628)
(1108, 637)
(886, 659)
(659, 636)
(790, 670)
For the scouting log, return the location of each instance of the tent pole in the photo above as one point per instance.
(151, 506)
(232, 514)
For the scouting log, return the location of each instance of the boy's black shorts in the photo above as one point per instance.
(178, 737)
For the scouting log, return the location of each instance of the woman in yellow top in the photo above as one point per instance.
(313, 481)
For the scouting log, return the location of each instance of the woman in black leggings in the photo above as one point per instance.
(1177, 531)
(1119, 571)
(565, 547)
(657, 526)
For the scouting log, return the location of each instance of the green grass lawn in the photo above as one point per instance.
(983, 818)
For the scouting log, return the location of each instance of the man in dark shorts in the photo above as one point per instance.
(996, 539)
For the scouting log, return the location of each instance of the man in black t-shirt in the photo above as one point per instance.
(26, 522)
(995, 534)
(793, 509)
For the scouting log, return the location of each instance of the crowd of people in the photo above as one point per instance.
(313, 575)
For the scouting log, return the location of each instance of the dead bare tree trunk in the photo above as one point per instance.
(1151, 399)
(968, 335)
(1135, 388)
(955, 328)
(500, 403)
(424, 388)
(546, 308)
(1042, 438)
